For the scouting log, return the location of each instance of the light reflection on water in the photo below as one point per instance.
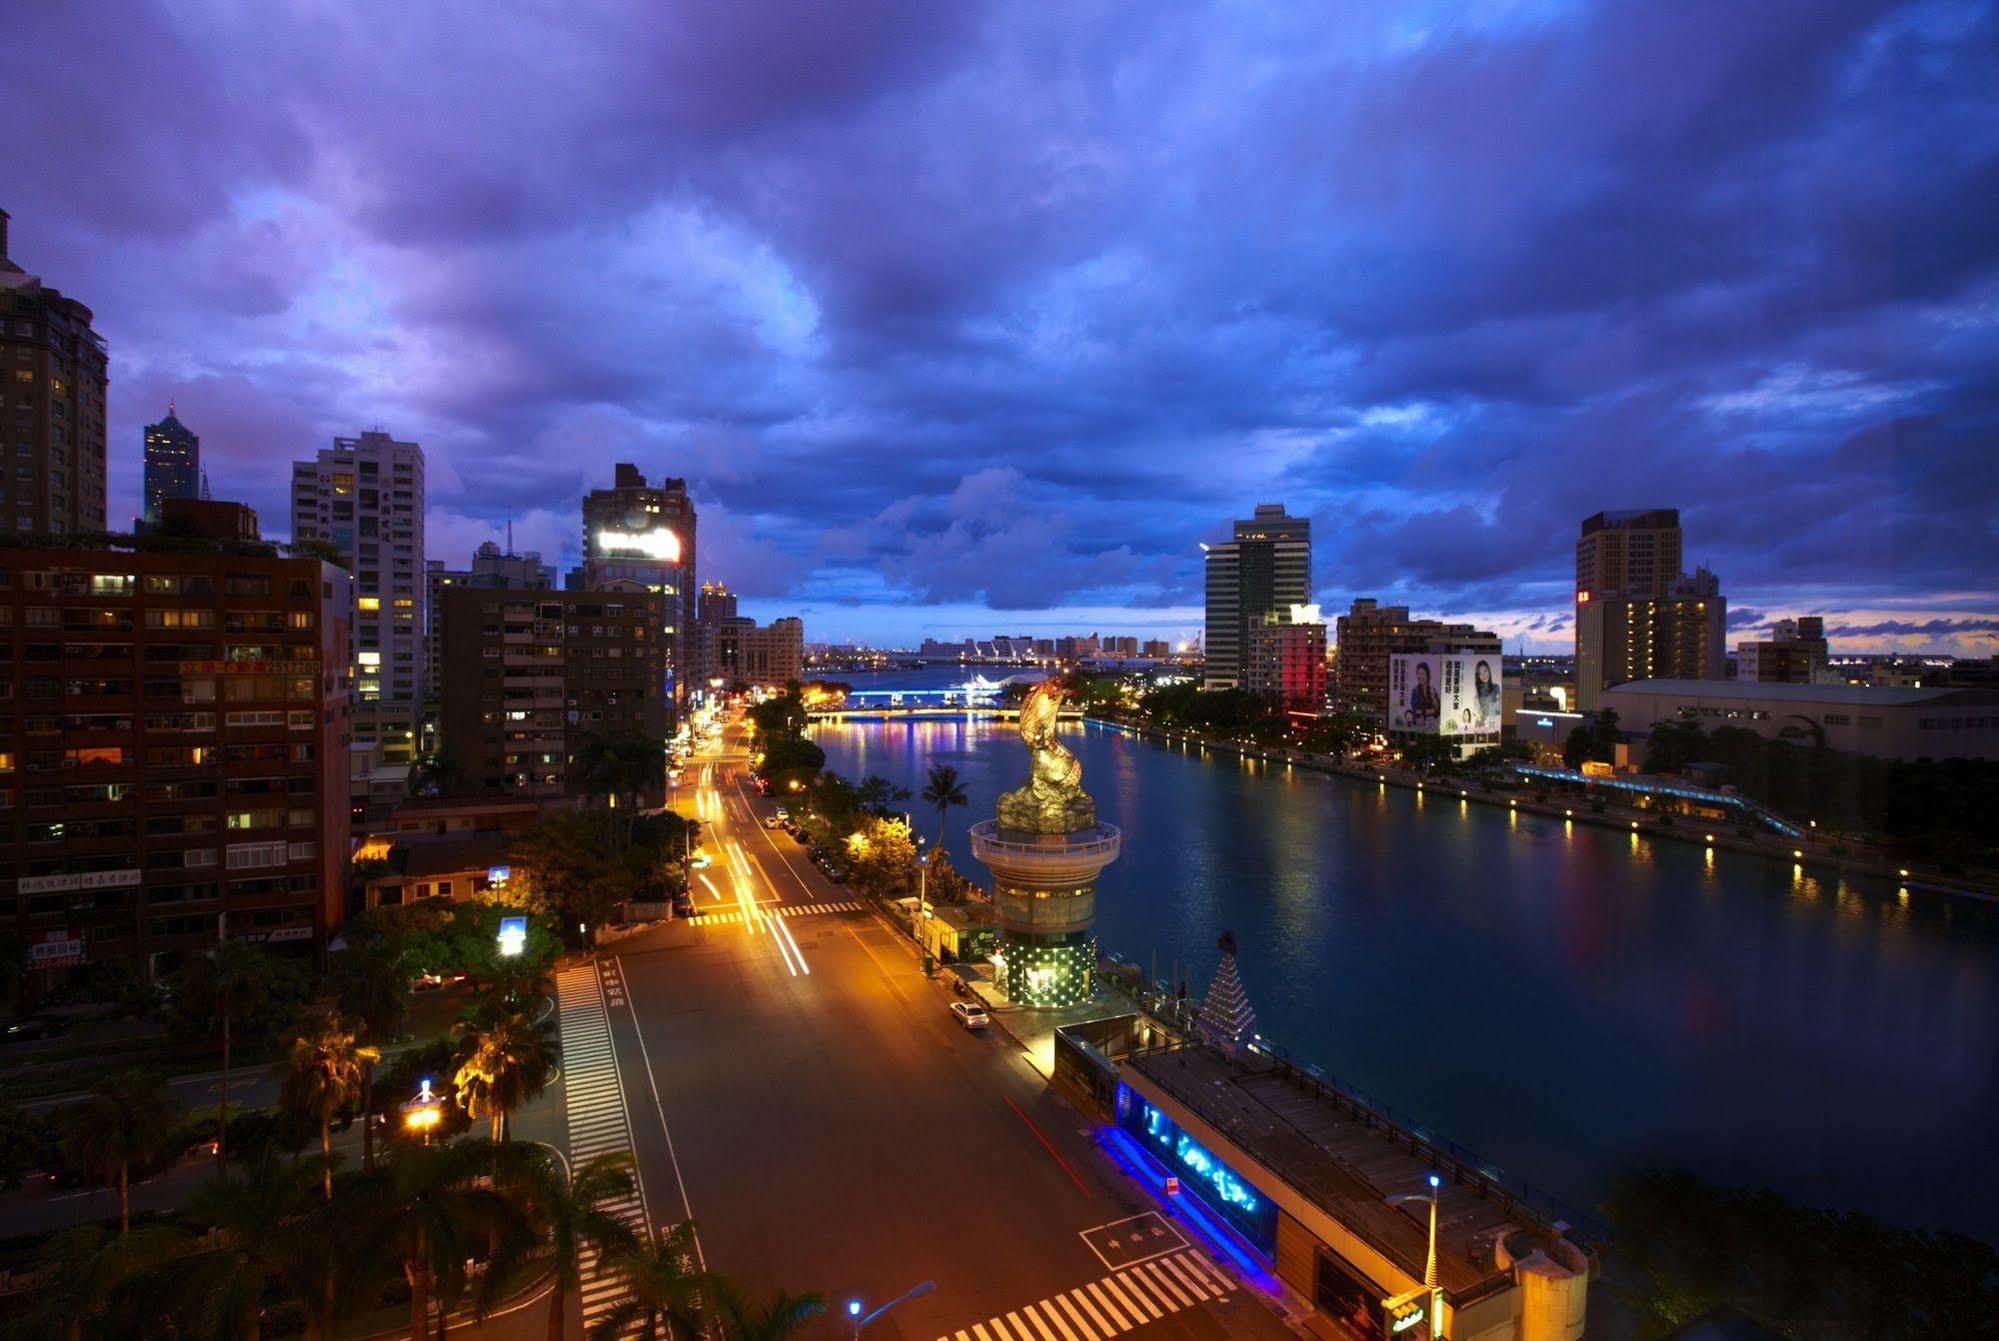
(1561, 997)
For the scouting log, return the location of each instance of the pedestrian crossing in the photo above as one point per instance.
(1119, 1303)
(598, 1123)
(735, 916)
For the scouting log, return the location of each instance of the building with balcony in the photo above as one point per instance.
(364, 496)
(173, 751)
(531, 677)
(1370, 634)
(53, 375)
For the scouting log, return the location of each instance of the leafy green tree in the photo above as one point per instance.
(778, 1318)
(90, 1283)
(1686, 1247)
(271, 1232)
(505, 1058)
(371, 986)
(663, 1289)
(788, 759)
(128, 1120)
(430, 1208)
(570, 1223)
(322, 1075)
(569, 870)
(29, 1142)
(778, 718)
(622, 769)
(215, 990)
(882, 857)
(942, 790)
(1428, 754)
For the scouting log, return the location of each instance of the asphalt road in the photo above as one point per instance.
(798, 1088)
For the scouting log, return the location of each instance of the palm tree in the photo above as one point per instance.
(322, 1075)
(505, 1058)
(85, 1279)
(371, 984)
(226, 984)
(428, 1207)
(776, 1319)
(128, 1119)
(620, 768)
(571, 1229)
(663, 1287)
(943, 790)
(268, 1229)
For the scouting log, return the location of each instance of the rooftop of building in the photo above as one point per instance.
(1857, 695)
(448, 856)
(1658, 518)
(1343, 1165)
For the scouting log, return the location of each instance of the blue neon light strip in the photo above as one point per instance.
(1661, 789)
(1249, 1261)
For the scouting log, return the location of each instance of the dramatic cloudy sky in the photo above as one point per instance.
(963, 318)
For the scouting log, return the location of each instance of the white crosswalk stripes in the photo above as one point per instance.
(595, 1099)
(1118, 1303)
(771, 910)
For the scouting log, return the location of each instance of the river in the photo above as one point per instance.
(1563, 999)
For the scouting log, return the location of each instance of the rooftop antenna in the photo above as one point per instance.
(510, 537)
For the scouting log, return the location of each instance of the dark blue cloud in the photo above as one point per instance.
(948, 309)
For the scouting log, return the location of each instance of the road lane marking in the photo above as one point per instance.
(1067, 1168)
(652, 1080)
(594, 1099)
(1099, 1310)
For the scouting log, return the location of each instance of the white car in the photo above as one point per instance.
(970, 1014)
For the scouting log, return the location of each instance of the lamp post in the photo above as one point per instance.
(1430, 1262)
(854, 1306)
(922, 898)
(423, 1113)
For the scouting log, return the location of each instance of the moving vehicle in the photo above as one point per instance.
(970, 1014)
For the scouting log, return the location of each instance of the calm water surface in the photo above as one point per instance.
(1563, 1000)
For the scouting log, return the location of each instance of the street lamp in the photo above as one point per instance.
(423, 1113)
(854, 1306)
(1430, 1262)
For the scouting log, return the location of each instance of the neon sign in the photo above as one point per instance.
(659, 543)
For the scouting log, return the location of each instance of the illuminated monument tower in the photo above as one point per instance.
(1046, 850)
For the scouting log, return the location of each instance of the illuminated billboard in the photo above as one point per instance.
(1455, 694)
(659, 543)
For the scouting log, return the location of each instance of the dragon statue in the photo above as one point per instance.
(1053, 801)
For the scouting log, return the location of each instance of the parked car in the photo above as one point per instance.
(773, 822)
(782, 814)
(970, 1014)
(35, 1026)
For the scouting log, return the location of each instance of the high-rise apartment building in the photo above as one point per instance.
(1795, 653)
(173, 464)
(1638, 616)
(1286, 665)
(1370, 633)
(531, 677)
(767, 657)
(174, 766)
(493, 569)
(365, 497)
(718, 607)
(641, 537)
(1265, 568)
(52, 382)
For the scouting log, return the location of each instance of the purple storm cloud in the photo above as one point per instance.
(962, 318)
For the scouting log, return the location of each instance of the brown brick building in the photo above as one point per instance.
(52, 382)
(1370, 633)
(173, 750)
(531, 676)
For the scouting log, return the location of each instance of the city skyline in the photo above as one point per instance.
(907, 406)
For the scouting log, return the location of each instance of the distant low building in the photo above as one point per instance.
(1286, 665)
(1794, 653)
(1370, 634)
(1938, 723)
